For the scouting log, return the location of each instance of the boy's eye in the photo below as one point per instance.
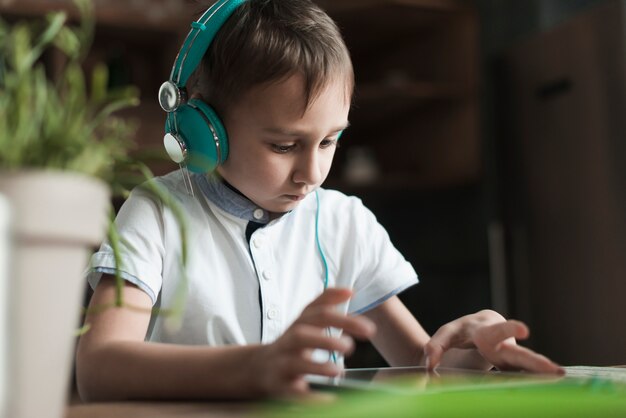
(285, 148)
(328, 143)
(282, 149)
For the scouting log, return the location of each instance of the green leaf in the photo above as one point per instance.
(19, 49)
(56, 22)
(86, 31)
(99, 82)
(68, 42)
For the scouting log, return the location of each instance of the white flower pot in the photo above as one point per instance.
(5, 215)
(57, 219)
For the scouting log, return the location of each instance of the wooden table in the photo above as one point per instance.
(165, 410)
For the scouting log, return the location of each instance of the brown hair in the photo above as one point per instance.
(267, 41)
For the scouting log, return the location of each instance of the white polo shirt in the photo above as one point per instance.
(240, 292)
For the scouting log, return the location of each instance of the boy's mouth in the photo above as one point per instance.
(295, 198)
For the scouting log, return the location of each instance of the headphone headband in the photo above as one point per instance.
(199, 39)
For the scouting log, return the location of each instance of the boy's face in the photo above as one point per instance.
(277, 153)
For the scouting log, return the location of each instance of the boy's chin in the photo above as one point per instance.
(280, 209)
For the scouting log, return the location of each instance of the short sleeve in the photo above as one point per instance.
(382, 270)
(140, 227)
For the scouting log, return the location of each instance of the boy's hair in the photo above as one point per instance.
(267, 41)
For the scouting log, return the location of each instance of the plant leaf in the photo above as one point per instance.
(56, 22)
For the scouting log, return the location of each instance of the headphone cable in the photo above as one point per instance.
(333, 356)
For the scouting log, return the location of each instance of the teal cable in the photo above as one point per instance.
(317, 240)
(321, 251)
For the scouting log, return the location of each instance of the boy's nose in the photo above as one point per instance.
(307, 169)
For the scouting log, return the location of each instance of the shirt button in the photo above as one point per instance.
(258, 213)
(267, 275)
(257, 242)
(272, 313)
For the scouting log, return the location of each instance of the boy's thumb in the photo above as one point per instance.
(432, 355)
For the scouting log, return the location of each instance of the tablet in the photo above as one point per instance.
(419, 379)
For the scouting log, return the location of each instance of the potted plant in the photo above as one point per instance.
(60, 146)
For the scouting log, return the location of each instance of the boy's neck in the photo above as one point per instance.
(272, 215)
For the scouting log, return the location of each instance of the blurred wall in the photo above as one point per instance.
(554, 159)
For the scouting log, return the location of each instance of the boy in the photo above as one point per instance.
(277, 265)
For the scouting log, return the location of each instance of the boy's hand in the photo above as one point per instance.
(494, 338)
(281, 366)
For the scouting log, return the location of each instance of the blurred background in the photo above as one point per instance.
(487, 136)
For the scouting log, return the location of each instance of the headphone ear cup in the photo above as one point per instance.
(204, 135)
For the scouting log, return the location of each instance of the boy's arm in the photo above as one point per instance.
(475, 341)
(399, 338)
(114, 363)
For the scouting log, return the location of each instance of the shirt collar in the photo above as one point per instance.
(230, 201)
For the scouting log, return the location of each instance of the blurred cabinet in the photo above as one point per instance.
(416, 102)
(566, 192)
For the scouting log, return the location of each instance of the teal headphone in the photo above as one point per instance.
(194, 134)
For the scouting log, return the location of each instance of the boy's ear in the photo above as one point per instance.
(197, 96)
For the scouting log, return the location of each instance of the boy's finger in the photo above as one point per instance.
(322, 313)
(432, 355)
(445, 338)
(490, 337)
(296, 366)
(520, 358)
(308, 337)
(451, 335)
(436, 346)
(325, 317)
(332, 296)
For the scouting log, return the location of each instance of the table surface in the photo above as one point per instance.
(252, 409)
